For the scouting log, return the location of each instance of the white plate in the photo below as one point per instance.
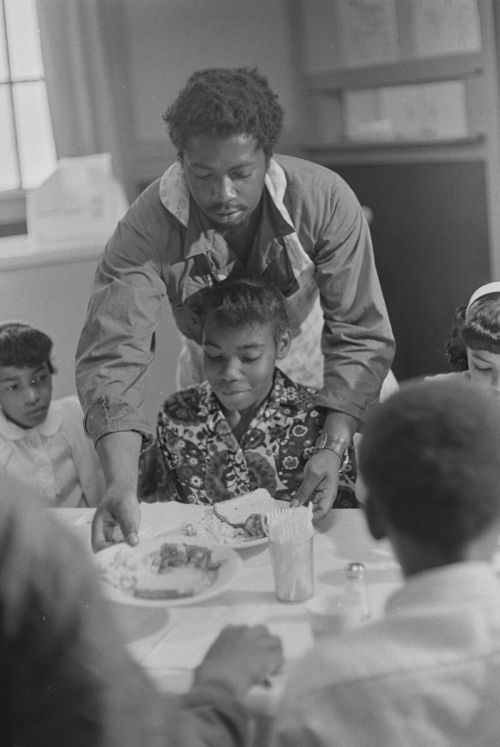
(229, 559)
(238, 543)
(242, 544)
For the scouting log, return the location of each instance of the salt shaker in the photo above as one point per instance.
(355, 586)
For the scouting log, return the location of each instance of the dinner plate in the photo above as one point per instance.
(239, 543)
(236, 543)
(108, 561)
(242, 544)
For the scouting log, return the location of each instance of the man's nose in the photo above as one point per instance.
(224, 189)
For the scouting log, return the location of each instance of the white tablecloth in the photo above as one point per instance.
(170, 642)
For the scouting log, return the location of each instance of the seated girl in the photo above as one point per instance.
(44, 451)
(474, 347)
(247, 425)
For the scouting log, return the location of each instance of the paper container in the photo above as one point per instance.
(292, 564)
(78, 205)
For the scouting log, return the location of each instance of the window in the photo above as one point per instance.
(27, 150)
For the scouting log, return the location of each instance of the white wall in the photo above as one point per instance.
(166, 41)
(170, 40)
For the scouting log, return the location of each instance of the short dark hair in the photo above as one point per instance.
(22, 345)
(225, 102)
(238, 303)
(476, 327)
(430, 456)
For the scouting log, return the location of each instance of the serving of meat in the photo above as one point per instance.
(172, 555)
(176, 555)
(254, 526)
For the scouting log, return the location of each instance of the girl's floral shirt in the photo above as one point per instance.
(203, 462)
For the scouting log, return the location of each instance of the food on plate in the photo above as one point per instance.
(180, 582)
(174, 570)
(176, 554)
(254, 525)
(236, 511)
(208, 527)
(235, 521)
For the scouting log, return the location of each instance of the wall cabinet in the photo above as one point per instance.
(404, 104)
(398, 70)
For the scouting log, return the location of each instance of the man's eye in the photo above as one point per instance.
(242, 175)
(250, 359)
(213, 356)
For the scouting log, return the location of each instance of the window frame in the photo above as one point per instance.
(13, 201)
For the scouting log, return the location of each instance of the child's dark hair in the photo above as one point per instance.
(238, 303)
(24, 346)
(429, 455)
(476, 327)
(225, 102)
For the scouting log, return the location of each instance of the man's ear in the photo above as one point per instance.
(375, 517)
(283, 345)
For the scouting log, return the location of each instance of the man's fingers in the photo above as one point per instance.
(98, 539)
(128, 525)
(115, 520)
(304, 492)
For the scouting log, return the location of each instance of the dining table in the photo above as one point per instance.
(169, 641)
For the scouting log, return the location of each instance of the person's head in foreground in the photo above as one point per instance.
(430, 464)
(65, 673)
(246, 330)
(225, 124)
(475, 340)
(25, 374)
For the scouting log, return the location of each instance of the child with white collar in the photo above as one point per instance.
(43, 448)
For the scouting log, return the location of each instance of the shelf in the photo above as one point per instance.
(344, 145)
(20, 253)
(388, 149)
(401, 72)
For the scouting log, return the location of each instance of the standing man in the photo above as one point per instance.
(229, 208)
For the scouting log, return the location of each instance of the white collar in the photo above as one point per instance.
(48, 427)
(454, 583)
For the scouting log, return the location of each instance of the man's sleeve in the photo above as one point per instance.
(357, 341)
(116, 345)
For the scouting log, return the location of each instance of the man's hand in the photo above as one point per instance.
(117, 509)
(321, 473)
(239, 658)
(319, 484)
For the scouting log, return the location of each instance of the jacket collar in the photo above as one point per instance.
(175, 196)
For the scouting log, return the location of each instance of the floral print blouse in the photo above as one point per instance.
(203, 462)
